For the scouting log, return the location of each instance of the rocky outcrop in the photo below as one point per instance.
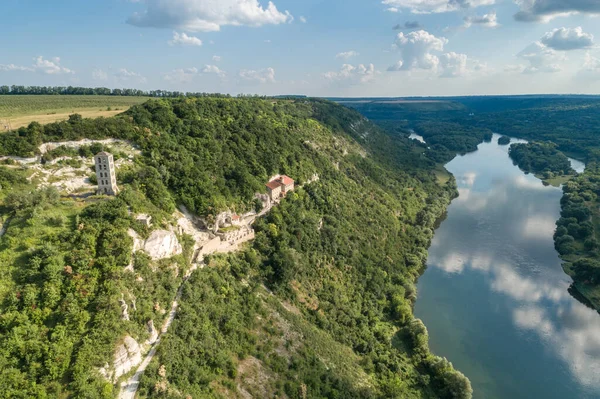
(127, 356)
(20, 160)
(188, 224)
(153, 333)
(44, 148)
(162, 244)
(124, 309)
(138, 243)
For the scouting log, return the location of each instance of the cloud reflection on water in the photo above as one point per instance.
(506, 234)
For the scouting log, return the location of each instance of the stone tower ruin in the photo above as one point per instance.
(105, 174)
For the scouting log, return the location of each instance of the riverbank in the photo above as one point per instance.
(577, 237)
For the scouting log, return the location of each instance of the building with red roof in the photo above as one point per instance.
(279, 186)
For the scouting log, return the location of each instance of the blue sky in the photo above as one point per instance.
(312, 47)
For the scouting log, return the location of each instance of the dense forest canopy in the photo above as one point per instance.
(332, 268)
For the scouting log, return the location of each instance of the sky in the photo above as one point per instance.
(350, 48)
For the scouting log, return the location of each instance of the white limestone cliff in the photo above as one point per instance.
(162, 244)
(127, 356)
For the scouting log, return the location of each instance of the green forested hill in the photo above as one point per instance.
(318, 306)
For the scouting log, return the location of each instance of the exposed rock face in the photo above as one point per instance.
(20, 160)
(153, 333)
(162, 244)
(44, 148)
(106, 372)
(187, 224)
(127, 356)
(124, 309)
(138, 243)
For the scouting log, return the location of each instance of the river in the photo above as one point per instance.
(494, 296)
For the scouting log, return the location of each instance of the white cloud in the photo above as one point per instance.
(99, 74)
(541, 59)
(50, 67)
(207, 15)
(487, 20)
(347, 55)
(590, 69)
(216, 70)
(415, 48)
(353, 74)
(184, 75)
(13, 67)
(453, 65)
(216, 58)
(545, 10)
(515, 68)
(259, 76)
(181, 39)
(303, 19)
(124, 74)
(566, 39)
(481, 67)
(42, 65)
(433, 6)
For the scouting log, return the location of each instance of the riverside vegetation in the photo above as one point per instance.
(320, 305)
(544, 160)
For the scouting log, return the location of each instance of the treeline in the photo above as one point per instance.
(541, 158)
(98, 91)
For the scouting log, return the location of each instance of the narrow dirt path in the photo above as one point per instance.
(130, 387)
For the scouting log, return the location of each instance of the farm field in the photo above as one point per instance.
(17, 111)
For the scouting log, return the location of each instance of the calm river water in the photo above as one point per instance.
(494, 297)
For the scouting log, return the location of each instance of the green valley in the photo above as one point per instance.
(568, 126)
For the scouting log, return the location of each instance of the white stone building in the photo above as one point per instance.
(106, 174)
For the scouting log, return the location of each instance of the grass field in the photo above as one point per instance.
(18, 111)
(556, 181)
